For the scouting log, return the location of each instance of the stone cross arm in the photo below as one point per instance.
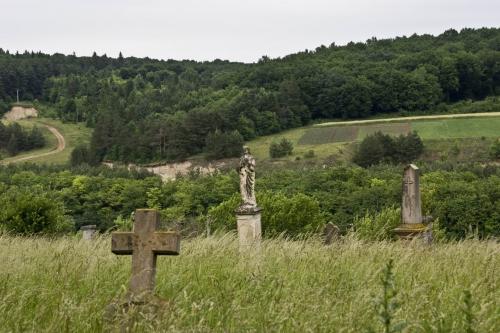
(160, 243)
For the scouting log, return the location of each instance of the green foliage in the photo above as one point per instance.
(224, 144)
(290, 215)
(222, 216)
(80, 155)
(455, 150)
(123, 224)
(309, 154)
(462, 199)
(379, 148)
(495, 150)
(468, 313)
(387, 305)
(378, 226)
(281, 149)
(4, 107)
(14, 139)
(25, 212)
(147, 110)
(465, 206)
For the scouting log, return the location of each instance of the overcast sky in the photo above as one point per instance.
(227, 29)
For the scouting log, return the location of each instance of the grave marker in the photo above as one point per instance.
(411, 209)
(88, 231)
(331, 232)
(145, 243)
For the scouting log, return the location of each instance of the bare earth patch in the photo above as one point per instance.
(170, 171)
(19, 112)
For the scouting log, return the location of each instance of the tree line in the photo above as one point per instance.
(145, 110)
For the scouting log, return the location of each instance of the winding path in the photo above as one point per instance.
(61, 145)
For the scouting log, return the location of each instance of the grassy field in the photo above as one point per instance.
(336, 140)
(74, 134)
(65, 285)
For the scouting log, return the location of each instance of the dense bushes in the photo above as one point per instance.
(378, 225)
(14, 139)
(381, 147)
(289, 215)
(80, 155)
(224, 144)
(27, 212)
(463, 199)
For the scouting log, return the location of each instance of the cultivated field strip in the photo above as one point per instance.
(427, 129)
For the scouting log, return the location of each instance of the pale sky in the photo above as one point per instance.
(226, 29)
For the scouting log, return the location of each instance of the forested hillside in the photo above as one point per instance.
(144, 110)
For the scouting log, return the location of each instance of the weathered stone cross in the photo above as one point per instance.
(144, 244)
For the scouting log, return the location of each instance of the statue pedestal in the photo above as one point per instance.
(249, 227)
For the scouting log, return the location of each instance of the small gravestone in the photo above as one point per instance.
(144, 243)
(88, 231)
(248, 213)
(331, 232)
(411, 210)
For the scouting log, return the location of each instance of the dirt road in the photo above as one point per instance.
(61, 145)
(387, 120)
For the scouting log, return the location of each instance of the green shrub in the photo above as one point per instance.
(381, 147)
(281, 149)
(378, 226)
(309, 154)
(25, 212)
(80, 155)
(223, 144)
(387, 304)
(495, 150)
(291, 215)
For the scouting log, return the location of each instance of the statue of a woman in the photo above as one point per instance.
(247, 180)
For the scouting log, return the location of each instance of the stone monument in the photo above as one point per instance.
(145, 243)
(331, 232)
(88, 231)
(248, 213)
(411, 210)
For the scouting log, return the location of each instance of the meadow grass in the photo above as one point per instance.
(65, 285)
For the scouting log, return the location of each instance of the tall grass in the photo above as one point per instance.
(65, 285)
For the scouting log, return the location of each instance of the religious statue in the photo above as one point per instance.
(247, 181)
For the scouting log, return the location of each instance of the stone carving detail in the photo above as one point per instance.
(247, 182)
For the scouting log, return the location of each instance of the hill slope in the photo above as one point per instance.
(336, 139)
(146, 110)
(61, 138)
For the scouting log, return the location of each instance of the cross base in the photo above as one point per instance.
(123, 311)
(409, 231)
